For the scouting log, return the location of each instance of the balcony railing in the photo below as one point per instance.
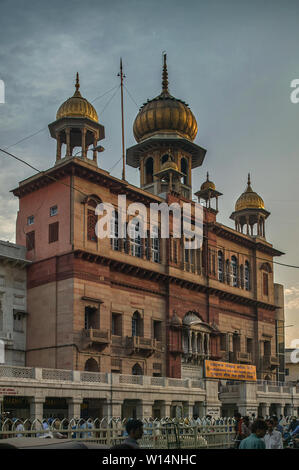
(139, 343)
(97, 336)
(270, 362)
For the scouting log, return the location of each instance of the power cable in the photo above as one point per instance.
(85, 194)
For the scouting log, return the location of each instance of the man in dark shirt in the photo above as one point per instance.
(134, 429)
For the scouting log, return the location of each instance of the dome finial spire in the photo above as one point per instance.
(249, 183)
(164, 75)
(207, 176)
(77, 85)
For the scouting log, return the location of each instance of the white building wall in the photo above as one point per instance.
(13, 301)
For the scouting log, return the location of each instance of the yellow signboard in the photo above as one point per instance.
(225, 370)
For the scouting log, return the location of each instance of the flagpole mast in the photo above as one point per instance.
(122, 76)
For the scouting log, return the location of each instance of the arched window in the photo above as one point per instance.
(91, 365)
(184, 169)
(247, 275)
(92, 218)
(149, 170)
(135, 240)
(155, 245)
(220, 266)
(137, 370)
(242, 276)
(114, 240)
(136, 324)
(234, 267)
(227, 271)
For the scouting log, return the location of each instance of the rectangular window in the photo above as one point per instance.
(116, 327)
(265, 284)
(249, 345)
(91, 225)
(157, 330)
(30, 220)
(91, 318)
(30, 240)
(18, 322)
(223, 343)
(53, 211)
(53, 232)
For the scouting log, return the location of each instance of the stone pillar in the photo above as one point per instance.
(58, 151)
(190, 341)
(166, 409)
(68, 142)
(212, 403)
(247, 403)
(37, 408)
(94, 145)
(74, 407)
(106, 408)
(195, 342)
(145, 409)
(289, 410)
(279, 409)
(84, 152)
(265, 409)
(190, 409)
(116, 409)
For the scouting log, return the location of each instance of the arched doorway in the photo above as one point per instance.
(91, 365)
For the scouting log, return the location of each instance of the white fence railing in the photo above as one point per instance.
(41, 374)
(157, 434)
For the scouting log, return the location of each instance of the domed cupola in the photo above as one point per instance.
(250, 212)
(165, 124)
(165, 114)
(77, 125)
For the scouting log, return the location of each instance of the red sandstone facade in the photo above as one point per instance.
(96, 305)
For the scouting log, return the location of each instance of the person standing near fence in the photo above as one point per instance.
(255, 440)
(238, 429)
(273, 438)
(134, 429)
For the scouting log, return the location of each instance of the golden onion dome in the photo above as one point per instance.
(169, 164)
(249, 199)
(207, 184)
(77, 106)
(165, 114)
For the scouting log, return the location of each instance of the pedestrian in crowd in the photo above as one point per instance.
(245, 427)
(20, 428)
(296, 431)
(293, 424)
(255, 440)
(282, 421)
(273, 438)
(56, 432)
(238, 429)
(134, 428)
(277, 426)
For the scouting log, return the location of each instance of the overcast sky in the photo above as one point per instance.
(232, 61)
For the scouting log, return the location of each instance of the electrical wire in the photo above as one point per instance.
(46, 128)
(86, 195)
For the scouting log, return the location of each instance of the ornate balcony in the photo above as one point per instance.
(269, 362)
(139, 344)
(240, 357)
(97, 336)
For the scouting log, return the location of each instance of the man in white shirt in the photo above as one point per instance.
(273, 438)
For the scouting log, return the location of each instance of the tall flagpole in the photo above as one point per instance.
(122, 76)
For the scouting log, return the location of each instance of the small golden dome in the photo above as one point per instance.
(169, 164)
(165, 114)
(249, 199)
(207, 184)
(77, 106)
